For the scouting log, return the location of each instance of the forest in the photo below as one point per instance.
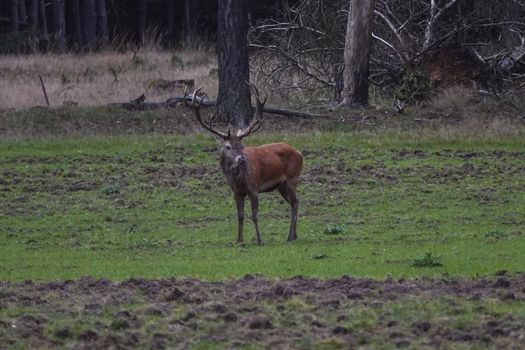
(79, 25)
(417, 45)
(377, 145)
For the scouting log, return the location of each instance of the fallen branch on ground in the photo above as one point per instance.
(140, 104)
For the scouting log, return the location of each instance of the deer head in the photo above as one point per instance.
(232, 155)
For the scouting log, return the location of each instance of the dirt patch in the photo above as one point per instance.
(469, 154)
(294, 313)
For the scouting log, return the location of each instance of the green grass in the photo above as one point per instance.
(153, 205)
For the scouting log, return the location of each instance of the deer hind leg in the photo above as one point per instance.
(255, 208)
(287, 190)
(239, 200)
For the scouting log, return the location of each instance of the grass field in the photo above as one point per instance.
(142, 197)
(372, 204)
(117, 230)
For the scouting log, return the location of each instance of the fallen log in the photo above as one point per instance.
(172, 102)
(140, 104)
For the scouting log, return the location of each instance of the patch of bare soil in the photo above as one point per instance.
(295, 313)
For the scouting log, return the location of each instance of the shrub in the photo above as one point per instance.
(428, 260)
(335, 229)
(415, 87)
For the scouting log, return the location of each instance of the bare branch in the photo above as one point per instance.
(388, 44)
(435, 13)
(396, 33)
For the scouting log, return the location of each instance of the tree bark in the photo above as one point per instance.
(76, 23)
(357, 52)
(43, 25)
(170, 20)
(233, 100)
(59, 24)
(33, 15)
(22, 12)
(188, 28)
(15, 21)
(435, 13)
(102, 23)
(190, 18)
(89, 23)
(141, 21)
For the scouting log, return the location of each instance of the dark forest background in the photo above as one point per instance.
(57, 25)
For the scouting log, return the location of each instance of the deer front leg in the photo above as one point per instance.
(239, 200)
(255, 208)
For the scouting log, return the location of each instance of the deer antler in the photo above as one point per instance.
(196, 106)
(256, 123)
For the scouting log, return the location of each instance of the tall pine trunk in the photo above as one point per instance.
(233, 100)
(170, 20)
(76, 23)
(15, 21)
(102, 23)
(59, 24)
(190, 20)
(22, 12)
(357, 52)
(89, 23)
(43, 25)
(33, 15)
(141, 21)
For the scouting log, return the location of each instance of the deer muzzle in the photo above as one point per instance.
(238, 167)
(240, 160)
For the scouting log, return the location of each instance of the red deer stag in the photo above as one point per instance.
(253, 170)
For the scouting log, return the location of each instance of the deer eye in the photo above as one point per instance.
(228, 147)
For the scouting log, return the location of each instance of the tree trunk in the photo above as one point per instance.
(33, 15)
(170, 20)
(89, 23)
(190, 18)
(43, 25)
(431, 24)
(59, 24)
(187, 18)
(102, 23)
(233, 100)
(141, 21)
(435, 13)
(76, 24)
(357, 52)
(22, 12)
(15, 22)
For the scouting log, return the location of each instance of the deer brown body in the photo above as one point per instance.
(253, 170)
